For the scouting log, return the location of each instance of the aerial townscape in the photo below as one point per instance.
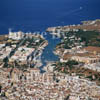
(74, 76)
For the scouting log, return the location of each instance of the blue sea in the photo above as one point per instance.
(37, 15)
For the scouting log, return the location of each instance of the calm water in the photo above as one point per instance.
(37, 15)
(48, 54)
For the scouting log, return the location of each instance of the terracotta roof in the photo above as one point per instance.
(85, 55)
(67, 56)
(92, 49)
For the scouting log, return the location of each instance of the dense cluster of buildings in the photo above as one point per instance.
(30, 84)
(22, 54)
(72, 47)
(4, 52)
(21, 48)
(87, 55)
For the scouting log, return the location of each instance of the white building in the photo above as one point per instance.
(16, 35)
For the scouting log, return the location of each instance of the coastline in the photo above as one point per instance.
(61, 79)
(85, 25)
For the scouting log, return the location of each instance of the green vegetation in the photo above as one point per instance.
(0, 88)
(3, 94)
(91, 38)
(69, 65)
(72, 67)
(5, 60)
(67, 98)
(68, 40)
(33, 42)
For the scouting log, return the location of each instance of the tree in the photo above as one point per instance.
(67, 98)
(0, 88)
